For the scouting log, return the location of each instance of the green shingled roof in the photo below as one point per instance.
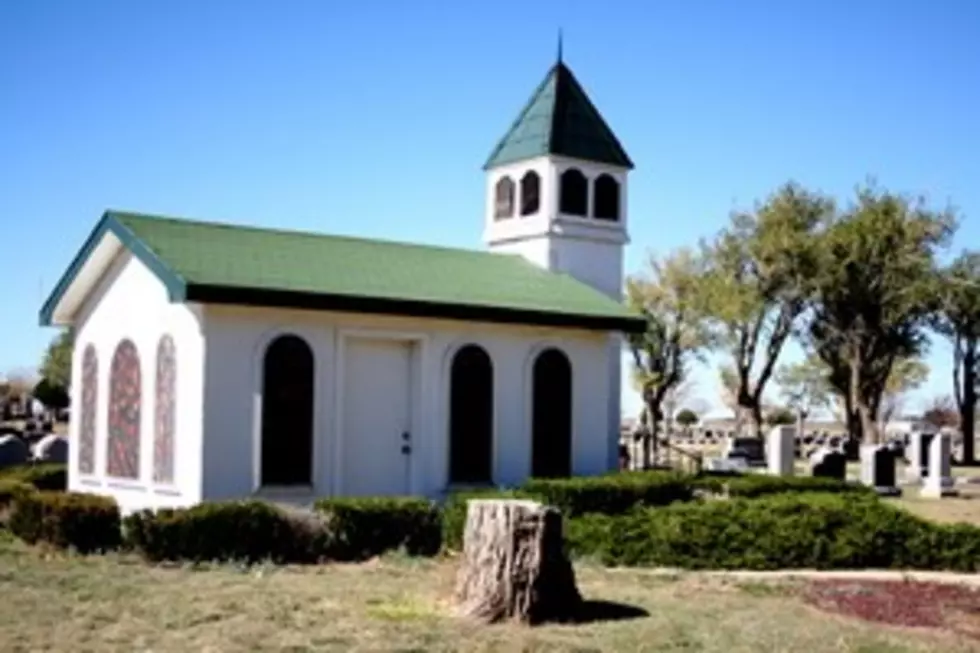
(210, 262)
(559, 119)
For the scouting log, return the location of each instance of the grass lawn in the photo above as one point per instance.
(57, 602)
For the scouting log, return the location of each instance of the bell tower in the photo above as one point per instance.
(556, 186)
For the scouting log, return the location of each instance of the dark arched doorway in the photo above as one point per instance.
(471, 416)
(551, 415)
(287, 412)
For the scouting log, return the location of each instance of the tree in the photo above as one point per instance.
(942, 412)
(761, 265)
(780, 416)
(687, 418)
(54, 397)
(804, 388)
(875, 292)
(959, 320)
(906, 375)
(668, 296)
(56, 365)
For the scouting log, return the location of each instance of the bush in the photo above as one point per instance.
(611, 494)
(43, 476)
(365, 527)
(248, 531)
(819, 531)
(757, 485)
(10, 490)
(85, 522)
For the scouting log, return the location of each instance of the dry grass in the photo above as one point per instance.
(116, 603)
(964, 508)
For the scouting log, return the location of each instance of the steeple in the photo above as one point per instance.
(559, 119)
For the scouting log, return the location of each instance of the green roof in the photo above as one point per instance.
(232, 264)
(559, 119)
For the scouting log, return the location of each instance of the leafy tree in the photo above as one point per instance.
(906, 375)
(874, 294)
(941, 413)
(667, 295)
(761, 266)
(959, 320)
(53, 396)
(56, 365)
(804, 387)
(687, 418)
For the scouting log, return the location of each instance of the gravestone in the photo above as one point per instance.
(13, 451)
(918, 453)
(726, 465)
(513, 566)
(52, 448)
(828, 463)
(781, 450)
(751, 450)
(939, 481)
(878, 469)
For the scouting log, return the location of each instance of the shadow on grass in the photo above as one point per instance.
(593, 611)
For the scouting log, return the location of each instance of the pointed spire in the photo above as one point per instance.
(559, 45)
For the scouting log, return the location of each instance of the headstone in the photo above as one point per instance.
(13, 451)
(513, 566)
(781, 450)
(878, 469)
(726, 465)
(52, 448)
(939, 479)
(826, 462)
(918, 453)
(751, 449)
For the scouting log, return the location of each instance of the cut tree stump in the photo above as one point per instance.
(513, 564)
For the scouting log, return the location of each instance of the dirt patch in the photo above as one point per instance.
(902, 603)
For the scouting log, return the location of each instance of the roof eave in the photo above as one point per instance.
(49, 315)
(268, 297)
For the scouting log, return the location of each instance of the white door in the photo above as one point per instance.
(376, 431)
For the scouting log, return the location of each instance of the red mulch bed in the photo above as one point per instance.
(901, 603)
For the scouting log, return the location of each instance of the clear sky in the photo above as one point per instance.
(373, 117)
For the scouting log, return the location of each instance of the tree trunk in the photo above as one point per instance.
(756, 412)
(968, 410)
(514, 566)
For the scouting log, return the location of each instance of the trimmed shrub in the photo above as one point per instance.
(757, 485)
(247, 531)
(611, 494)
(365, 527)
(819, 531)
(454, 513)
(43, 476)
(85, 522)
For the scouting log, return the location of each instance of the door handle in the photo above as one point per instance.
(406, 436)
(406, 449)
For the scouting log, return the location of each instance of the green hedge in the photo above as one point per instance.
(611, 494)
(365, 527)
(819, 531)
(757, 485)
(85, 522)
(43, 476)
(249, 531)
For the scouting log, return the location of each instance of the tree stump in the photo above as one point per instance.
(514, 567)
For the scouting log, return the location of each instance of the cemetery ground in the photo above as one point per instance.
(118, 603)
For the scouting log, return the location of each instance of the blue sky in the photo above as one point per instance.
(373, 118)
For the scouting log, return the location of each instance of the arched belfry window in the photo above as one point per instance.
(471, 416)
(287, 412)
(503, 206)
(574, 198)
(551, 415)
(530, 193)
(606, 198)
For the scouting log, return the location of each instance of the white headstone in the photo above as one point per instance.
(780, 450)
(918, 455)
(51, 448)
(939, 479)
(878, 469)
(13, 451)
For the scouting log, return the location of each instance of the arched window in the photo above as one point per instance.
(551, 415)
(606, 198)
(530, 193)
(471, 416)
(287, 412)
(125, 399)
(504, 198)
(165, 407)
(574, 193)
(89, 408)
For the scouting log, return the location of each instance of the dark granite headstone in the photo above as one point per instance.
(829, 463)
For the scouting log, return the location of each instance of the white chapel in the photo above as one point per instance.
(216, 361)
